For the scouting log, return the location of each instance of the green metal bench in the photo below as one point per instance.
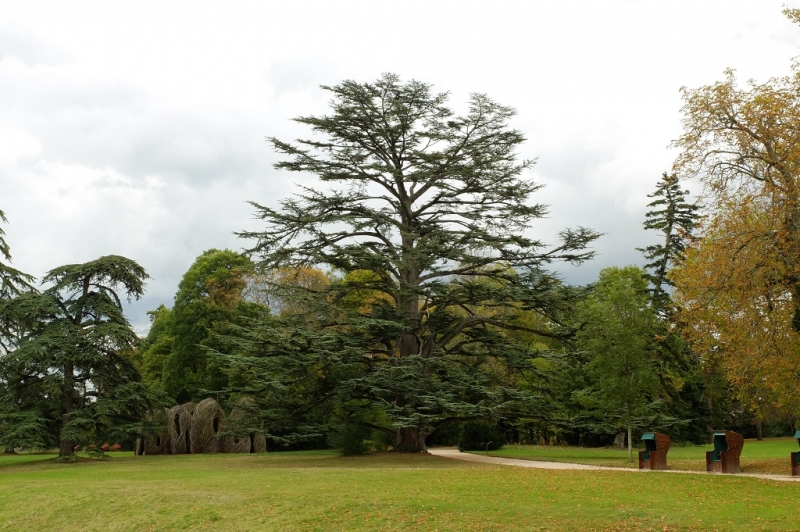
(795, 457)
(654, 456)
(727, 450)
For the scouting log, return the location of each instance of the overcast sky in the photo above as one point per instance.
(138, 128)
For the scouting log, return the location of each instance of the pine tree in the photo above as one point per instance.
(675, 218)
(67, 375)
(12, 281)
(437, 207)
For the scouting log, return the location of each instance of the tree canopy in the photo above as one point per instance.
(740, 286)
(743, 144)
(209, 297)
(12, 281)
(437, 206)
(737, 317)
(619, 333)
(67, 374)
(675, 218)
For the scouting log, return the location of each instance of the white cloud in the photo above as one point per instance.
(140, 128)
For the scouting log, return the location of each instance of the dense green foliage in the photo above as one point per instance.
(66, 371)
(480, 436)
(674, 219)
(210, 297)
(352, 439)
(619, 333)
(436, 206)
(12, 281)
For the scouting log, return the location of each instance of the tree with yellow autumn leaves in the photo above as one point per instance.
(739, 287)
(736, 316)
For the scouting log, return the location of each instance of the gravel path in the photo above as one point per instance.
(455, 454)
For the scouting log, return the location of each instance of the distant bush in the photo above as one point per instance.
(352, 440)
(475, 435)
(381, 441)
(446, 435)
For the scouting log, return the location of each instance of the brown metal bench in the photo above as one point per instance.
(795, 457)
(654, 456)
(727, 450)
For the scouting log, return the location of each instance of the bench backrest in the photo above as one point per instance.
(735, 441)
(726, 441)
(654, 441)
(720, 445)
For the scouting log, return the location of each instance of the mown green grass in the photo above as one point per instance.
(322, 491)
(11, 459)
(770, 456)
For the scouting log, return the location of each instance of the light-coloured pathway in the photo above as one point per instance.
(455, 454)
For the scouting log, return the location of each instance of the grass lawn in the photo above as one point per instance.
(768, 456)
(322, 491)
(11, 459)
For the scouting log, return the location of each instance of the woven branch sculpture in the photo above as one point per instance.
(239, 441)
(258, 443)
(202, 428)
(179, 425)
(204, 435)
(156, 442)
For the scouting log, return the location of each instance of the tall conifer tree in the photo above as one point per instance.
(66, 373)
(12, 281)
(675, 218)
(438, 208)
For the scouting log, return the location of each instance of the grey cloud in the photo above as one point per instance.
(113, 123)
(571, 164)
(25, 45)
(175, 146)
(299, 75)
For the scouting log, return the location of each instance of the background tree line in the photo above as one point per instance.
(486, 339)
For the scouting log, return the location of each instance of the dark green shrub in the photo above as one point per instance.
(475, 435)
(381, 441)
(446, 435)
(353, 440)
